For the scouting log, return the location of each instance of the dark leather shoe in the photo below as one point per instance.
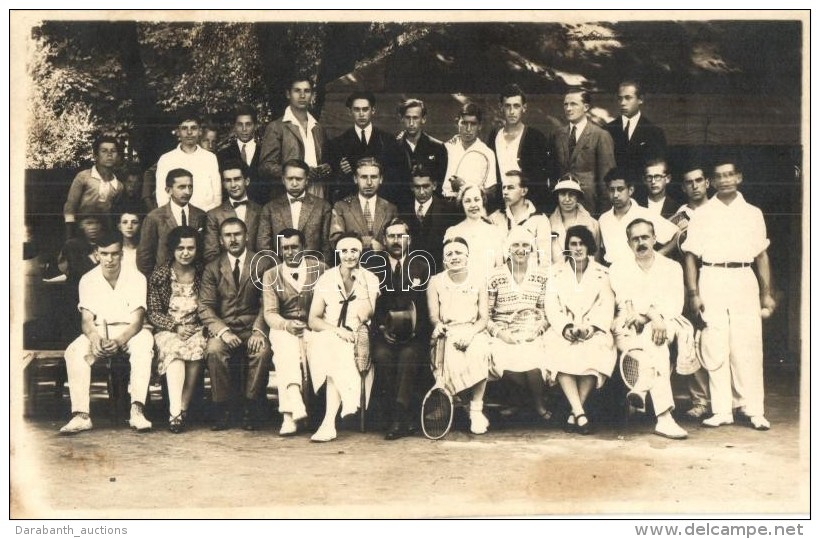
(397, 430)
(248, 420)
(223, 421)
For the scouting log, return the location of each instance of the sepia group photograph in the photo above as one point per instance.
(407, 264)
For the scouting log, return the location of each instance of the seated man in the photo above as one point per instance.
(230, 306)
(112, 303)
(287, 294)
(402, 342)
(649, 294)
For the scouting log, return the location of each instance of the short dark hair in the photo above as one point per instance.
(109, 237)
(634, 83)
(299, 77)
(456, 239)
(231, 164)
(420, 170)
(175, 237)
(617, 174)
(111, 139)
(409, 104)
(188, 115)
(656, 161)
(586, 98)
(243, 109)
(369, 162)
(523, 181)
(175, 173)
(286, 233)
(470, 109)
(363, 94)
(395, 221)
(295, 163)
(233, 221)
(639, 221)
(512, 90)
(726, 159)
(585, 235)
(86, 216)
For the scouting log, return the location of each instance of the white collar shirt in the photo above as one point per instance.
(311, 156)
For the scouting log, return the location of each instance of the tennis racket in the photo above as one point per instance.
(526, 324)
(637, 371)
(437, 407)
(473, 168)
(710, 362)
(305, 370)
(361, 355)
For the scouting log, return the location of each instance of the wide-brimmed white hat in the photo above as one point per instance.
(568, 185)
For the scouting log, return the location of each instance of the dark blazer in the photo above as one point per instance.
(382, 146)
(592, 157)
(314, 222)
(259, 189)
(214, 218)
(347, 216)
(428, 235)
(222, 305)
(152, 251)
(397, 291)
(671, 204)
(534, 160)
(429, 152)
(647, 141)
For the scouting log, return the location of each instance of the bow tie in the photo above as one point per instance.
(295, 200)
(236, 204)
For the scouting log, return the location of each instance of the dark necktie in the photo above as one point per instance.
(364, 140)
(420, 212)
(299, 200)
(572, 140)
(236, 273)
(368, 217)
(236, 204)
(395, 277)
(626, 129)
(295, 276)
(343, 313)
(244, 154)
(184, 218)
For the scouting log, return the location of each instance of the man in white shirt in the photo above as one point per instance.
(649, 292)
(469, 160)
(725, 238)
(656, 179)
(112, 303)
(201, 163)
(624, 210)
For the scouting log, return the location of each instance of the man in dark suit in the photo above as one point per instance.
(658, 199)
(244, 148)
(365, 140)
(230, 307)
(520, 147)
(636, 138)
(419, 148)
(428, 216)
(238, 205)
(401, 346)
(296, 135)
(364, 213)
(152, 250)
(585, 150)
(297, 209)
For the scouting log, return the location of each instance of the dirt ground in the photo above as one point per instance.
(512, 470)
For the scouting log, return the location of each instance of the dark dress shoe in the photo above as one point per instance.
(586, 428)
(249, 420)
(397, 430)
(223, 421)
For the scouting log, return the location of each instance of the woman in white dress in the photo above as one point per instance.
(580, 309)
(486, 240)
(517, 291)
(458, 312)
(344, 299)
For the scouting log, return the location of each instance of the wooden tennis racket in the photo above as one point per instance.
(710, 362)
(473, 168)
(637, 371)
(361, 355)
(437, 407)
(526, 324)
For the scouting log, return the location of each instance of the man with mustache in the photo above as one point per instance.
(648, 293)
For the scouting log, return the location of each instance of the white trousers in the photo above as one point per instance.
(287, 358)
(661, 393)
(140, 350)
(734, 334)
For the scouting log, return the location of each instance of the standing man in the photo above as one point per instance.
(429, 216)
(419, 147)
(235, 183)
(657, 178)
(297, 209)
(636, 138)
(230, 307)
(287, 295)
(366, 140)
(364, 213)
(152, 250)
(469, 160)
(584, 149)
(649, 294)
(519, 211)
(725, 238)
(243, 147)
(624, 210)
(112, 303)
(520, 147)
(190, 156)
(402, 343)
(296, 135)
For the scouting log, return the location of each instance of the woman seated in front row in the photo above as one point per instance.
(517, 291)
(343, 300)
(172, 309)
(457, 300)
(580, 309)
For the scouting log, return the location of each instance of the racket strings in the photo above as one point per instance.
(436, 414)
